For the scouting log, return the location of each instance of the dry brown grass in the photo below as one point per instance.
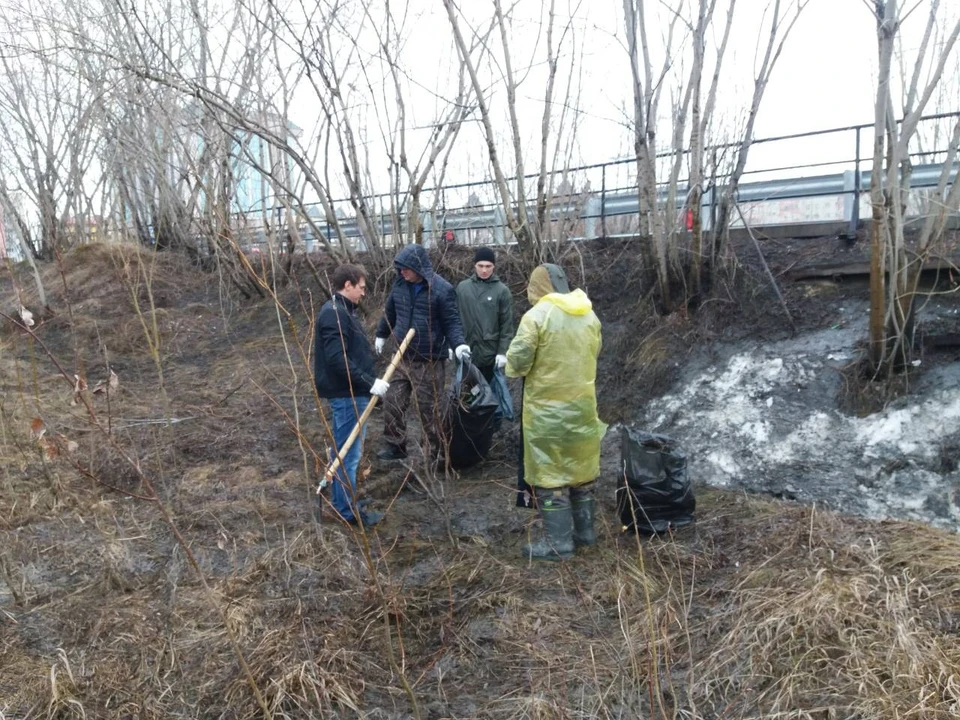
(763, 610)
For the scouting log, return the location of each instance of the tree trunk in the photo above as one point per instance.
(887, 27)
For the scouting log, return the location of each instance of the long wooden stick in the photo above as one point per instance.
(355, 433)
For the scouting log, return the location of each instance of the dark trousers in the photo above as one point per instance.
(486, 371)
(524, 491)
(420, 383)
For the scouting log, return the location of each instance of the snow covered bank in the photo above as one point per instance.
(765, 418)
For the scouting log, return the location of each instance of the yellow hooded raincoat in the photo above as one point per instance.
(555, 350)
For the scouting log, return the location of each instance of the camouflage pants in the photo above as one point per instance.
(420, 383)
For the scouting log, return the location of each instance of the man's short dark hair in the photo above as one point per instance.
(348, 273)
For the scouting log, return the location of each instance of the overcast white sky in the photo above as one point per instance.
(825, 78)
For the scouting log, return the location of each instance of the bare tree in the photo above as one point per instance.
(198, 125)
(659, 225)
(527, 230)
(174, 159)
(47, 136)
(783, 17)
(894, 268)
(410, 166)
(646, 90)
(701, 116)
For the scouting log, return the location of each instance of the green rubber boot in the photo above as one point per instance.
(556, 541)
(584, 512)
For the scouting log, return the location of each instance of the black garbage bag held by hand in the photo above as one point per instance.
(472, 407)
(500, 388)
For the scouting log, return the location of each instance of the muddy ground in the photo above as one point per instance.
(160, 555)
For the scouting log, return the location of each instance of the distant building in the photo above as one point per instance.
(10, 247)
(260, 170)
(240, 172)
(84, 229)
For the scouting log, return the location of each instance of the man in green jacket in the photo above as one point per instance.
(486, 308)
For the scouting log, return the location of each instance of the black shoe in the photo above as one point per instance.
(436, 459)
(369, 518)
(392, 452)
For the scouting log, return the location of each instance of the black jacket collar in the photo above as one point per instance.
(347, 302)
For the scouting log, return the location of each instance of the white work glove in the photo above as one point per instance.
(380, 387)
(462, 352)
(378, 345)
(500, 362)
(450, 354)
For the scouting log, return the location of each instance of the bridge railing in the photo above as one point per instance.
(804, 184)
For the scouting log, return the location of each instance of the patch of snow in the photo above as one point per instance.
(765, 419)
(724, 464)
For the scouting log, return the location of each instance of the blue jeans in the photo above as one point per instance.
(346, 412)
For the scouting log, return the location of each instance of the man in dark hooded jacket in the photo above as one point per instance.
(486, 307)
(422, 300)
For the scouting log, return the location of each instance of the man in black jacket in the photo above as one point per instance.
(344, 373)
(422, 300)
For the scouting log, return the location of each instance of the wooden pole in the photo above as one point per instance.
(355, 433)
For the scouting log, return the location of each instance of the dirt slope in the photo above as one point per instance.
(160, 557)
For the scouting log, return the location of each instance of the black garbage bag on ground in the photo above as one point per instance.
(471, 410)
(654, 493)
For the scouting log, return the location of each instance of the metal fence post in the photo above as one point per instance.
(855, 212)
(603, 200)
(713, 192)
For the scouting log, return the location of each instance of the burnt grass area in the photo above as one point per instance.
(163, 553)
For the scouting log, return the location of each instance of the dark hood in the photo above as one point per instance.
(415, 258)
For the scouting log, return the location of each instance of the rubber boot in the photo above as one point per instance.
(369, 518)
(556, 541)
(584, 509)
(392, 452)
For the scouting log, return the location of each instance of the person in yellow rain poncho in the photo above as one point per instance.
(555, 351)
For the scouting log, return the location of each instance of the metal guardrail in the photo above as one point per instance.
(592, 208)
(807, 205)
